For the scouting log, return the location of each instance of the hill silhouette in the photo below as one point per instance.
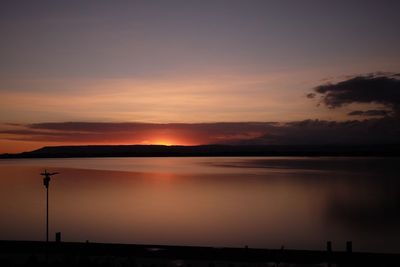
(207, 151)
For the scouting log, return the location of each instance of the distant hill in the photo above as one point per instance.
(207, 151)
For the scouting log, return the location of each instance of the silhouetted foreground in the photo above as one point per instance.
(208, 151)
(33, 253)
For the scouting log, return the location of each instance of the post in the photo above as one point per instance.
(58, 237)
(329, 253)
(329, 246)
(47, 214)
(349, 247)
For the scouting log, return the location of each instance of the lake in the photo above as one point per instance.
(263, 202)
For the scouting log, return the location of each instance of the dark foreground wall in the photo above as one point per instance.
(31, 253)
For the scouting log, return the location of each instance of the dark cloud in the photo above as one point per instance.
(309, 132)
(371, 112)
(25, 132)
(375, 88)
(311, 95)
(133, 126)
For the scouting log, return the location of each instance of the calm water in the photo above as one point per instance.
(259, 202)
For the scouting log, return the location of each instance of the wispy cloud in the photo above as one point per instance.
(214, 97)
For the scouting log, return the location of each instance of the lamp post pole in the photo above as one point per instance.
(46, 183)
(47, 213)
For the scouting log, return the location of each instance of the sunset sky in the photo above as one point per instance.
(198, 72)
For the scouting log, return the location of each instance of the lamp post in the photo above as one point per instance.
(46, 183)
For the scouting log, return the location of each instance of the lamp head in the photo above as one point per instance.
(46, 178)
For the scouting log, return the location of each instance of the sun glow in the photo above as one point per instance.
(162, 142)
(170, 141)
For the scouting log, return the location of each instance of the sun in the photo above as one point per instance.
(167, 140)
(163, 143)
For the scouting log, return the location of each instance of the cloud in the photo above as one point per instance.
(311, 95)
(374, 88)
(371, 112)
(319, 132)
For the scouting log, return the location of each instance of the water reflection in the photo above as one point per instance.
(260, 202)
(374, 206)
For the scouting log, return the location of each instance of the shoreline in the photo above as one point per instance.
(102, 151)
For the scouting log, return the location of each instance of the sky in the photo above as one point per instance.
(198, 72)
